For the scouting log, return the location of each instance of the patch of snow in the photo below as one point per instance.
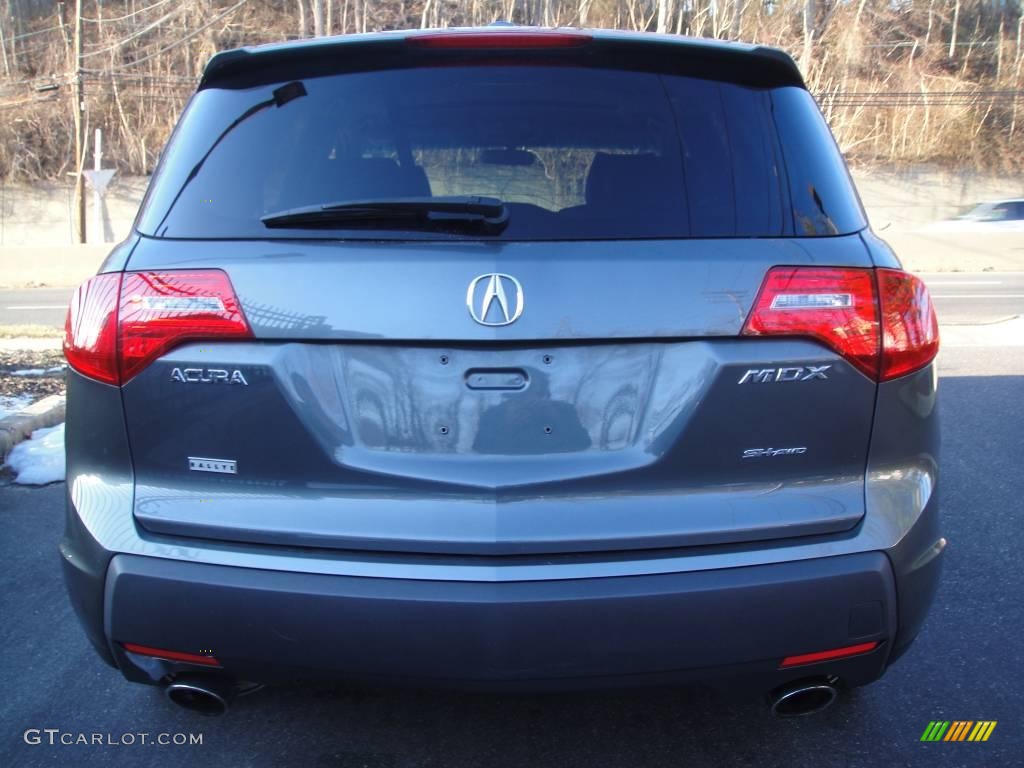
(40, 460)
(32, 344)
(13, 403)
(38, 371)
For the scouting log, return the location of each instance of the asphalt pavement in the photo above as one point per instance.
(963, 298)
(34, 306)
(968, 664)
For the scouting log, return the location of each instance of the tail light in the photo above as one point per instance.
(119, 323)
(90, 331)
(511, 40)
(881, 321)
(910, 329)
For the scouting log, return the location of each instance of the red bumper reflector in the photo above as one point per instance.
(835, 653)
(161, 653)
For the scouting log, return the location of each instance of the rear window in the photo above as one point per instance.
(574, 153)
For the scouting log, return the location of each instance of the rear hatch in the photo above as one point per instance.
(517, 326)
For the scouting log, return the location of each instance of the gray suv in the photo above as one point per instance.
(502, 357)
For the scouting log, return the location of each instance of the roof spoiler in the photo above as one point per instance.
(732, 62)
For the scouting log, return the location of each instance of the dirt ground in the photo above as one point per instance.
(19, 367)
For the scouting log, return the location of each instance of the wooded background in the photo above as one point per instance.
(900, 81)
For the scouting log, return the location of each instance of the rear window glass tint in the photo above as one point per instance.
(576, 153)
(730, 158)
(823, 196)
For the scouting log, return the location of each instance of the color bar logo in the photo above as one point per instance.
(958, 730)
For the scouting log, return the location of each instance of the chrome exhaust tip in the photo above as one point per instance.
(205, 695)
(803, 697)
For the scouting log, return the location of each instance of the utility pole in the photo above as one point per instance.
(78, 95)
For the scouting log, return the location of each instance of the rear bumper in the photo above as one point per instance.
(263, 625)
(694, 613)
(561, 625)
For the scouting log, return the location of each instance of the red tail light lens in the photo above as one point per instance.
(90, 331)
(512, 40)
(161, 310)
(835, 306)
(910, 329)
(120, 323)
(881, 320)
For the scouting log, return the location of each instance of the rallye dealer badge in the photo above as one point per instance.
(223, 466)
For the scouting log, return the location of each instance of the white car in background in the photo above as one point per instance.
(994, 216)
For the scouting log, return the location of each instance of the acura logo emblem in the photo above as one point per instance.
(495, 299)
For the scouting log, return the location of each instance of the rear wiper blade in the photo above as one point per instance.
(487, 213)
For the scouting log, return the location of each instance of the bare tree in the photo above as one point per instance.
(810, 11)
(956, 24)
(317, 8)
(665, 8)
(926, 97)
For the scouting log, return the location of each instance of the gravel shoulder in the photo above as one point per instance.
(33, 372)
